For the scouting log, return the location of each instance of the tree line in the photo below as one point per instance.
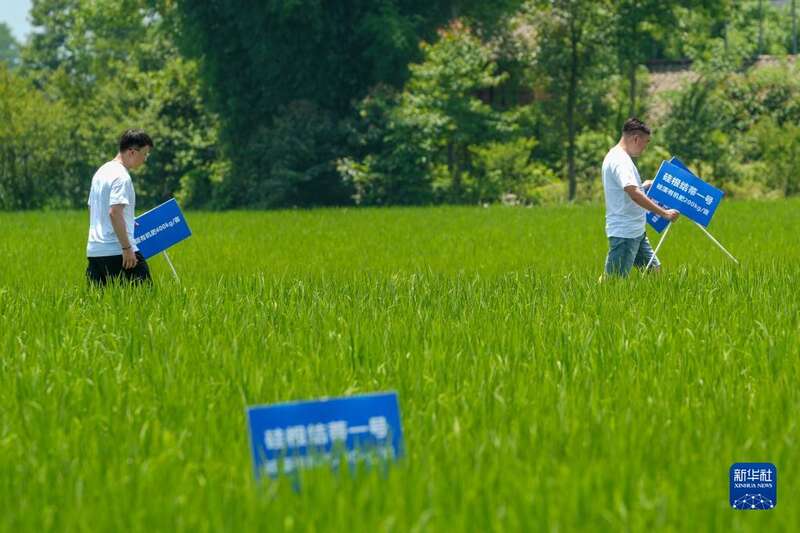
(385, 102)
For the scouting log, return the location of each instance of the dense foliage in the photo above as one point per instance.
(9, 47)
(89, 71)
(306, 103)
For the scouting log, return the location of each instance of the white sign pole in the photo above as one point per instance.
(717, 242)
(658, 246)
(166, 256)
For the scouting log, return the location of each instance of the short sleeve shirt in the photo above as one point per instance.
(111, 185)
(624, 218)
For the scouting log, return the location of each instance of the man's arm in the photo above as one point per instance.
(118, 223)
(646, 203)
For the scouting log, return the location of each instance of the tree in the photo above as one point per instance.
(760, 49)
(779, 146)
(32, 171)
(794, 26)
(9, 48)
(258, 58)
(573, 46)
(114, 65)
(642, 25)
(430, 128)
(636, 22)
(440, 100)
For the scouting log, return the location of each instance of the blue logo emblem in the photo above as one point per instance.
(754, 486)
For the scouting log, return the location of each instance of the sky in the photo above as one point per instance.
(15, 14)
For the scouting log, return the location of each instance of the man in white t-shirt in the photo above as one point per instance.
(112, 202)
(627, 204)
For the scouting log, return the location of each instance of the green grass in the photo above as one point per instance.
(532, 397)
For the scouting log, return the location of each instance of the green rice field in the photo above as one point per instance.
(533, 397)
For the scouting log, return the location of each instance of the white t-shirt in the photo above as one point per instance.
(111, 185)
(624, 218)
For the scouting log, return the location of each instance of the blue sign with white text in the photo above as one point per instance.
(287, 437)
(753, 486)
(657, 222)
(160, 228)
(677, 188)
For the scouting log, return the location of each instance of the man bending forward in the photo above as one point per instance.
(626, 204)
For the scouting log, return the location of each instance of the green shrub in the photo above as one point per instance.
(508, 168)
(780, 155)
(590, 149)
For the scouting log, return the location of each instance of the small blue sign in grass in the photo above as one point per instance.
(288, 437)
(753, 486)
(160, 228)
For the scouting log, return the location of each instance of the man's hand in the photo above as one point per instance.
(129, 259)
(671, 214)
(646, 203)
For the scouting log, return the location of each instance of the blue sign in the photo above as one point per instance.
(288, 437)
(656, 221)
(754, 486)
(678, 163)
(676, 188)
(160, 228)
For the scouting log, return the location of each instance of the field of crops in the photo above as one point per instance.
(532, 396)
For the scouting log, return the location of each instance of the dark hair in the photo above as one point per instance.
(634, 125)
(134, 139)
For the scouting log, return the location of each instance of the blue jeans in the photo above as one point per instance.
(624, 254)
